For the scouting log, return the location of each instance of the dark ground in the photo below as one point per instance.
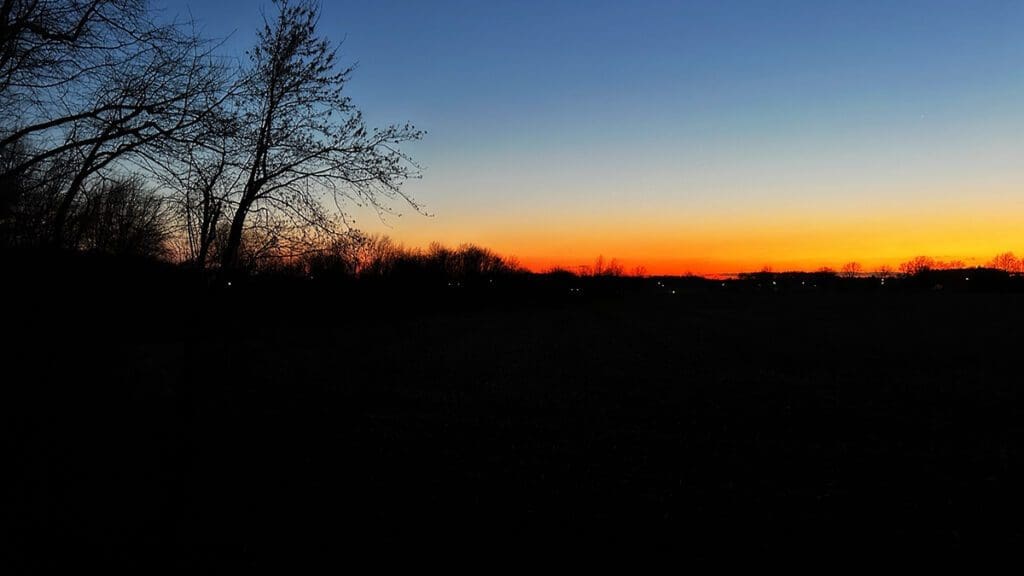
(160, 423)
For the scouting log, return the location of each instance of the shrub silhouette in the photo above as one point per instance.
(122, 217)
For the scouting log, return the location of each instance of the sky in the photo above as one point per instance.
(691, 137)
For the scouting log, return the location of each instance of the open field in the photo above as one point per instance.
(261, 422)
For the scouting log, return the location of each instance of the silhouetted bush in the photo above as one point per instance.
(30, 197)
(122, 217)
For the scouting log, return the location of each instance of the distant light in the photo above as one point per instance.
(229, 283)
(967, 278)
(773, 282)
(673, 291)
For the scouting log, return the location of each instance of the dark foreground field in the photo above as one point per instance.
(254, 425)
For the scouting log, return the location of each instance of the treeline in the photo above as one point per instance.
(917, 265)
(381, 258)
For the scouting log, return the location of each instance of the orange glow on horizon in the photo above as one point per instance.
(967, 226)
(974, 242)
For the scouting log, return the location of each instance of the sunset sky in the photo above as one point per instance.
(704, 137)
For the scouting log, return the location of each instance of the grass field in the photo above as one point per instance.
(265, 423)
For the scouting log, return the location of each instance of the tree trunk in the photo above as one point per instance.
(204, 249)
(229, 258)
(60, 219)
(207, 233)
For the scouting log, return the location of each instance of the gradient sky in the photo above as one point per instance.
(705, 137)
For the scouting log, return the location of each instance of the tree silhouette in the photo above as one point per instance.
(1006, 261)
(851, 270)
(920, 264)
(123, 217)
(305, 143)
(47, 44)
(602, 268)
(199, 169)
(94, 85)
(917, 265)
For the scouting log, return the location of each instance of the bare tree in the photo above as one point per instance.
(99, 82)
(199, 171)
(339, 258)
(30, 199)
(307, 149)
(377, 256)
(203, 202)
(1006, 261)
(851, 270)
(122, 216)
(602, 268)
(51, 44)
(917, 264)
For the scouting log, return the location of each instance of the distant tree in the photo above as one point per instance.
(338, 259)
(476, 262)
(380, 257)
(305, 144)
(851, 270)
(602, 268)
(885, 272)
(920, 264)
(917, 265)
(377, 256)
(1006, 261)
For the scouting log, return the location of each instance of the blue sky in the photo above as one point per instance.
(664, 132)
